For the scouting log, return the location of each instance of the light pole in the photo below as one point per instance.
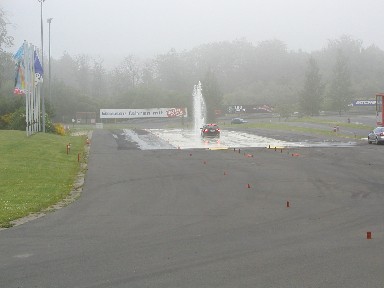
(42, 63)
(49, 20)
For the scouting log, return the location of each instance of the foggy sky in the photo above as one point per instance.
(115, 28)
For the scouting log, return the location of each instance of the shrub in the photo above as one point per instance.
(5, 121)
(59, 129)
(14, 120)
(49, 126)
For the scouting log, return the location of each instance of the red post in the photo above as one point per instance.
(78, 157)
(369, 235)
(287, 204)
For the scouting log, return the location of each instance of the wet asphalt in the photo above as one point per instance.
(253, 217)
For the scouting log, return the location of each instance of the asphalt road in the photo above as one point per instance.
(203, 218)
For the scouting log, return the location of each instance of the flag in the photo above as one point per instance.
(38, 70)
(19, 80)
(19, 71)
(19, 54)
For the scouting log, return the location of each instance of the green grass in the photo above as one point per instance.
(331, 123)
(35, 172)
(327, 131)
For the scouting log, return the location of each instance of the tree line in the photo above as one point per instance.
(232, 73)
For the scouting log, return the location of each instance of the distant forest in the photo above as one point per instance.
(232, 73)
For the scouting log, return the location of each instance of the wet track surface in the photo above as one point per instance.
(152, 215)
(152, 139)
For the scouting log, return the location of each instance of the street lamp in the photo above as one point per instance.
(49, 20)
(42, 62)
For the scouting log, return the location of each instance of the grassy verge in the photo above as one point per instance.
(331, 123)
(35, 172)
(292, 128)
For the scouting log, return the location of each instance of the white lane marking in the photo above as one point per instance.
(23, 256)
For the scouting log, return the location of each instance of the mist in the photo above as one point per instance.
(145, 54)
(111, 30)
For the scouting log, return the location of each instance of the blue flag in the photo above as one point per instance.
(38, 70)
(19, 54)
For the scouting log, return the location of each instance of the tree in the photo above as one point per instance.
(84, 74)
(212, 95)
(311, 97)
(66, 69)
(5, 39)
(7, 74)
(172, 72)
(9, 103)
(148, 74)
(99, 89)
(128, 72)
(233, 73)
(340, 88)
(370, 79)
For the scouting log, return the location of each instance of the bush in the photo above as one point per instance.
(16, 121)
(59, 129)
(5, 121)
(13, 121)
(49, 126)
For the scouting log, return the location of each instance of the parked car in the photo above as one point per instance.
(210, 130)
(238, 121)
(377, 135)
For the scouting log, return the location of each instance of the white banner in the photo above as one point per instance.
(143, 113)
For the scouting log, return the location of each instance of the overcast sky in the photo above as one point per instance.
(115, 28)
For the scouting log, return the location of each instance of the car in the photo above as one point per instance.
(376, 135)
(210, 130)
(238, 121)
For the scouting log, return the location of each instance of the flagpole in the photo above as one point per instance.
(49, 20)
(29, 85)
(25, 60)
(42, 64)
